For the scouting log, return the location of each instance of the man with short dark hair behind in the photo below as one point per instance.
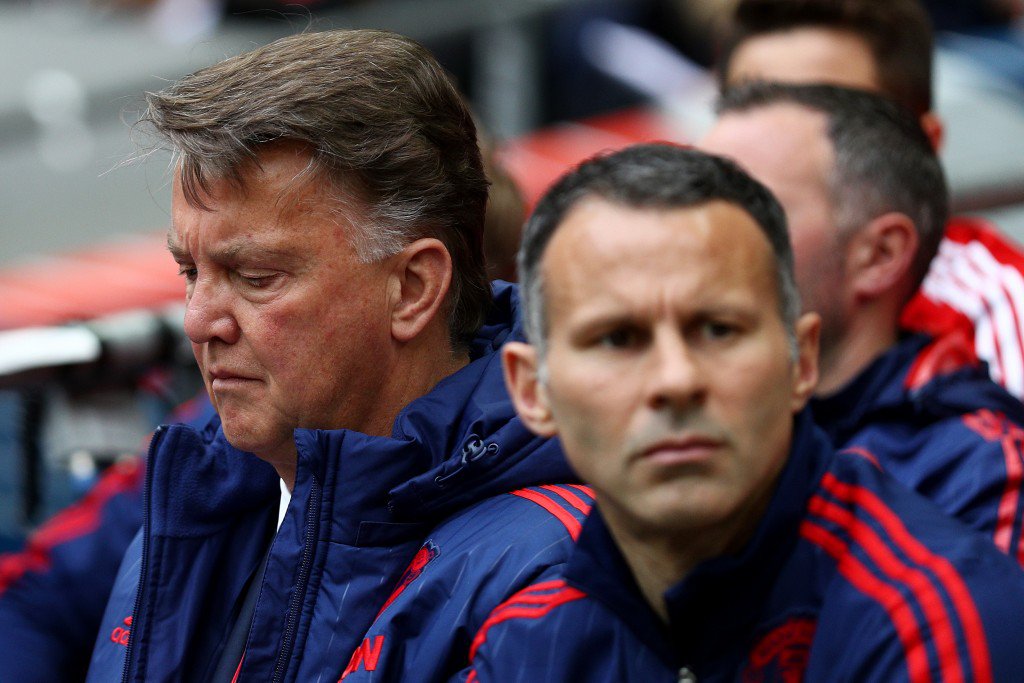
(976, 284)
(359, 507)
(886, 47)
(729, 540)
(866, 204)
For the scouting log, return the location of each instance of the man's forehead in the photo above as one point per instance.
(776, 143)
(236, 248)
(806, 54)
(599, 240)
(776, 124)
(281, 176)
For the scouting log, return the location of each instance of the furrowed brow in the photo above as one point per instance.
(177, 251)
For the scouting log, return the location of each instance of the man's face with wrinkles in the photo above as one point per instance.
(283, 317)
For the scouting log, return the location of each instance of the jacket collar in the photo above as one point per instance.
(917, 379)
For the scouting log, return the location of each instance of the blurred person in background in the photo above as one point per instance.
(730, 542)
(887, 47)
(866, 203)
(503, 223)
(970, 292)
(357, 508)
(53, 592)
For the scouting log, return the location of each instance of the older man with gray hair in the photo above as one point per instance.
(367, 495)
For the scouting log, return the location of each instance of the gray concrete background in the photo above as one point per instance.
(72, 78)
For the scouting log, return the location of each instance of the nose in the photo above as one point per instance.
(676, 375)
(209, 314)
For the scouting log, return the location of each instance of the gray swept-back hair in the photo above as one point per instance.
(386, 129)
(653, 176)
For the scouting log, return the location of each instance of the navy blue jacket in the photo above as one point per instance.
(393, 551)
(940, 426)
(53, 591)
(848, 577)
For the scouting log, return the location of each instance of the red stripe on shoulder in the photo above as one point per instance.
(885, 595)
(864, 453)
(73, 522)
(948, 576)
(572, 525)
(84, 516)
(586, 490)
(532, 602)
(914, 579)
(993, 426)
(566, 494)
(1009, 512)
(946, 354)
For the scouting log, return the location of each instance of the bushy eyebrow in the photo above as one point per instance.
(231, 253)
(178, 252)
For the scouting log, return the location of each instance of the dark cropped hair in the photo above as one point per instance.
(898, 33)
(385, 126)
(883, 159)
(652, 176)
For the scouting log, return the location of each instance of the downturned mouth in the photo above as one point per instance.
(686, 448)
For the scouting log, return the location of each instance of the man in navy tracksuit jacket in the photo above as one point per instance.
(848, 577)
(936, 422)
(730, 542)
(866, 202)
(366, 495)
(392, 554)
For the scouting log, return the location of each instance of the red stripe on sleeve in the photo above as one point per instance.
(531, 595)
(889, 598)
(585, 490)
(1009, 503)
(952, 582)
(73, 522)
(864, 453)
(568, 496)
(539, 606)
(571, 524)
(918, 583)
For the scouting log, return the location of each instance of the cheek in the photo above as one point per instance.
(591, 424)
(282, 339)
(761, 410)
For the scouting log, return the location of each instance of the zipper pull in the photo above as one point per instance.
(687, 676)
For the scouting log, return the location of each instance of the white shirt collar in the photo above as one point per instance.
(286, 497)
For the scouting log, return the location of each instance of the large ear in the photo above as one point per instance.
(420, 281)
(881, 255)
(530, 397)
(805, 369)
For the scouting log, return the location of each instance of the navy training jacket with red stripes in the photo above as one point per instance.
(928, 413)
(393, 551)
(849, 577)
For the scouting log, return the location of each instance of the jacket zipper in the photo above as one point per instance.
(153, 443)
(295, 606)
